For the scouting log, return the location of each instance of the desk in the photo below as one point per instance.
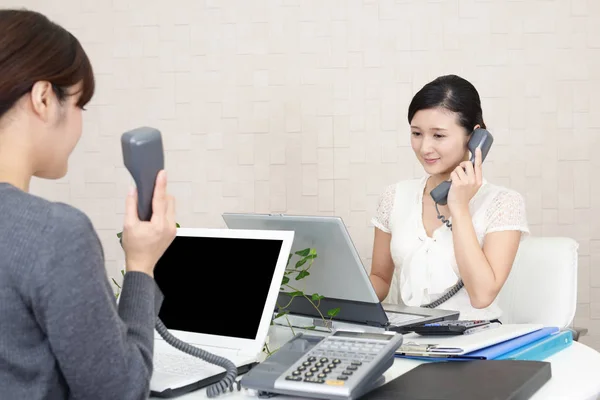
(574, 373)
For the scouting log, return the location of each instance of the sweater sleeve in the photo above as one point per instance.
(102, 350)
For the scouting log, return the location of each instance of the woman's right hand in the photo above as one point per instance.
(145, 242)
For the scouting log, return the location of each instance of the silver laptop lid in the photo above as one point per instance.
(337, 272)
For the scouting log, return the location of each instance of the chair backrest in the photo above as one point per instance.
(542, 285)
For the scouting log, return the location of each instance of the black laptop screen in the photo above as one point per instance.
(216, 286)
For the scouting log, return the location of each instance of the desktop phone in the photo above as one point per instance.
(143, 157)
(344, 365)
(480, 138)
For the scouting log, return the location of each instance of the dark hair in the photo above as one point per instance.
(32, 49)
(454, 94)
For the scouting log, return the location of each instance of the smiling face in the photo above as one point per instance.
(438, 141)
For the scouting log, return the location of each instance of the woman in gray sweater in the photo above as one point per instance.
(62, 335)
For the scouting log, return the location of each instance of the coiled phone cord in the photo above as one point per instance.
(215, 389)
(459, 285)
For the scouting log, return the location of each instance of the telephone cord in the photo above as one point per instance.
(458, 285)
(217, 388)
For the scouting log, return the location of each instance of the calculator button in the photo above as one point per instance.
(313, 369)
(338, 382)
(351, 368)
(347, 372)
(319, 364)
(296, 373)
(311, 359)
(322, 376)
(356, 363)
(308, 374)
(331, 366)
(301, 368)
(326, 370)
(293, 378)
(324, 360)
(306, 363)
(342, 378)
(336, 361)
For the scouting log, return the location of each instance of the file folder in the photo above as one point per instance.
(542, 348)
(511, 380)
(461, 345)
(532, 347)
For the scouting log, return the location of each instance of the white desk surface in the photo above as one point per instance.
(574, 373)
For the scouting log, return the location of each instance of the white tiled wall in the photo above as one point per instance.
(299, 106)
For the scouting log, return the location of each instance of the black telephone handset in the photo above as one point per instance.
(143, 157)
(481, 138)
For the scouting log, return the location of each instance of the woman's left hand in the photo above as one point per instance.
(466, 181)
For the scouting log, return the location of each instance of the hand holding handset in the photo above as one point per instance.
(480, 138)
(143, 157)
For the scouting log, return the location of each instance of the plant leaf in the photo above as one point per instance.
(119, 235)
(303, 253)
(317, 297)
(301, 263)
(177, 225)
(312, 252)
(333, 312)
(285, 280)
(296, 293)
(302, 274)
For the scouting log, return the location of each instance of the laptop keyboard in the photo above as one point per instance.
(399, 318)
(184, 365)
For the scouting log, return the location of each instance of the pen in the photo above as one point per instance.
(481, 328)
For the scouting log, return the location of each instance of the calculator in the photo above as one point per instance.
(457, 327)
(344, 365)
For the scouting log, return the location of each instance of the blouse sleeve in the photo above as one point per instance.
(385, 206)
(507, 213)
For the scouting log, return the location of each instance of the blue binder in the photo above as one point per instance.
(542, 348)
(496, 351)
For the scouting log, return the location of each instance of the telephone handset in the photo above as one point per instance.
(143, 156)
(483, 139)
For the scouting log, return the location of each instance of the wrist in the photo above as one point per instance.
(459, 211)
(139, 267)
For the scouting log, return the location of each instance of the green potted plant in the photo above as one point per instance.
(293, 274)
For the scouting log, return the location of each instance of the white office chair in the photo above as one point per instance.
(542, 285)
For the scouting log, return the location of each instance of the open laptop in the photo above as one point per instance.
(220, 287)
(338, 274)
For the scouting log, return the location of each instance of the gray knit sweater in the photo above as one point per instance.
(62, 335)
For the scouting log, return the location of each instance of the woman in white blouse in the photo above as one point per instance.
(417, 259)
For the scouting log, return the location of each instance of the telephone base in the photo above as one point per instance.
(375, 384)
(343, 366)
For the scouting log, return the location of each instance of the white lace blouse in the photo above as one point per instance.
(425, 267)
